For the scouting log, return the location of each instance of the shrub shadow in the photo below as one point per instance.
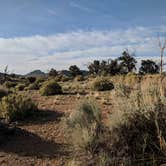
(75, 93)
(42, 117)
(24, 143)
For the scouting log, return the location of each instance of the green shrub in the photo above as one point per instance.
(38, 83)
(87, 113)
(16, 107)
(102, 84)
(20, 87)
(65, 78)
(50, 88)
(31, 79)
(86, 132)
(9, 84)
(40, 80)
(137, 125)
(34, 86)
(141, 134)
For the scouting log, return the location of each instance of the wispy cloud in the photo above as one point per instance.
(81, 7)
(61, 50)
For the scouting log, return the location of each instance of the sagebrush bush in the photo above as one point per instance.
(102, 84)
(86, 132)
(31, 79)
(123, 90)
(34, 86)
(16, 107)
(40, 80)
(65, 78)
(20, 87)
(50, 87)
(138, 127)
(9, 84)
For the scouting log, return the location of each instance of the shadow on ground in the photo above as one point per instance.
(24, 143)
(42, 117)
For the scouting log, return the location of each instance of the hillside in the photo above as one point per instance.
(36, 73)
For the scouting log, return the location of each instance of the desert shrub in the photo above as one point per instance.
(138, 128)
(65, 78)
(132, 79)
(16, 107)
(40, 80)
(87, 133)
(50, 87)
(139, 136)
(58, 78)
(123, 90)
(20, 87)
(9, 84)
(3, 92)
(34, 86)
(31, 79)
(102, 84)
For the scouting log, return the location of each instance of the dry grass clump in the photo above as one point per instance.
(136, 134)
(87, 134)
(20, 87)
(131, 79)
(16, 107)
(34, 86)
(79, 78)
(138, 127)
(102, 84)
(10, 84)
(50, 87)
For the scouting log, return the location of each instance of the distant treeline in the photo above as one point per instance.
(121, 65)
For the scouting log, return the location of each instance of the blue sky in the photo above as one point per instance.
(41, 34)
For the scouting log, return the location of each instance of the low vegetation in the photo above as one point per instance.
(102, 84)
(87, 133)
(50, 87)
(126, 127)
(9, 84)
(16, 107)
(134, 135)
(20, 87)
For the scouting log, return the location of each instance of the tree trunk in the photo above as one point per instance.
(161, 62)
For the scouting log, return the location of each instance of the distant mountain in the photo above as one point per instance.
(39, 73)
(36, 73)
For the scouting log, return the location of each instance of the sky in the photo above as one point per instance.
(44, 34)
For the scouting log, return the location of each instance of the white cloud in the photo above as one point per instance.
(81, 7)
(61, 50)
